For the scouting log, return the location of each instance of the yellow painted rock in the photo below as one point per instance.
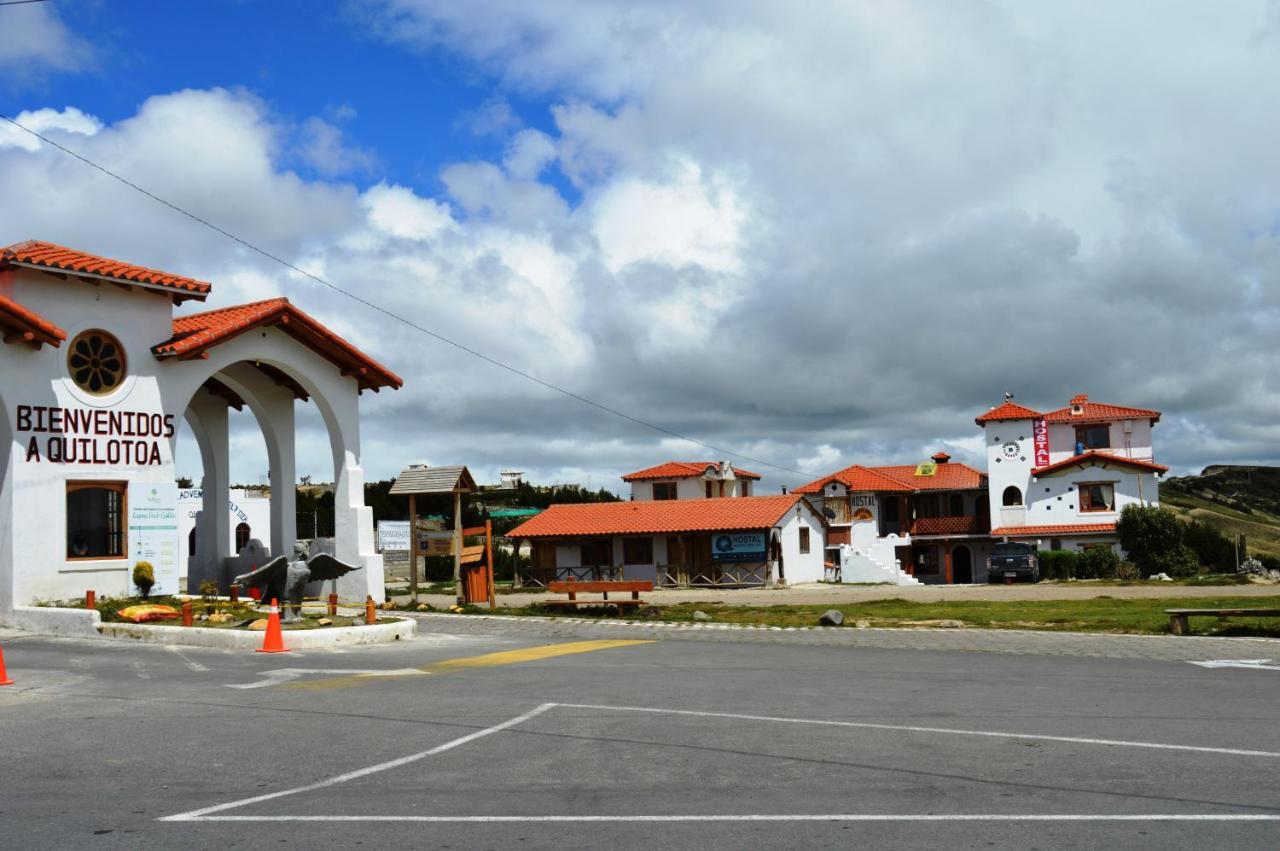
(260, 624)
(149, 612)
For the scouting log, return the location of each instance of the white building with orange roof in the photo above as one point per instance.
(905, 524)
(690, 480)
(97, 374)
(1060, 479)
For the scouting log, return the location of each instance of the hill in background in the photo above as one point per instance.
(1235, 500)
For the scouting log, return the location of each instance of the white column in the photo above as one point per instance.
(207, 416)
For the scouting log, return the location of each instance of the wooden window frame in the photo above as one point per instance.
(626, 558)
(805, 543)
(1082, 429)
(119, 487)
(674, 490)
(597, 546)
(708, 488)
(744, 487)
(1081, 489)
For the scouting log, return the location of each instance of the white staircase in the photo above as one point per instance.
(859, 566)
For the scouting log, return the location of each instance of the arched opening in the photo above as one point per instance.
(1012, 496)
(961, 566)
(955, 506)
(191, 542)
(242, 536)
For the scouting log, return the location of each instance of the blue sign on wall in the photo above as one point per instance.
(738, 546)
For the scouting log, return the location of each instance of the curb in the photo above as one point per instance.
(227, 639)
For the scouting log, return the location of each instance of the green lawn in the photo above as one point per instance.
(1099, 614)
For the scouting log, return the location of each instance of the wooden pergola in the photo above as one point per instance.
(419, 479)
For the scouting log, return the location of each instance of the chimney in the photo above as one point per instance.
(1077, 404)
(941, 457)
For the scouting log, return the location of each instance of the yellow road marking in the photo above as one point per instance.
(488, 660)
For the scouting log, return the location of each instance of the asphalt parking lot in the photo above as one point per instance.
(495, 736)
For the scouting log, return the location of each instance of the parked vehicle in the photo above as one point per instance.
(1013, 561)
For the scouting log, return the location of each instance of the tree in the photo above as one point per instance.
(1153, 539)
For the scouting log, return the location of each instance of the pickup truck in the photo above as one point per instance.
(1013, 561)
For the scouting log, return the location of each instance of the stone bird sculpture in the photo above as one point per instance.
(285, 580)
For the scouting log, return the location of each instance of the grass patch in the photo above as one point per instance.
(1099, 614)
(240, 612)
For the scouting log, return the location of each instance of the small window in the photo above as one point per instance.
(1093, 437)
(1012, 496)
(664, 490)
(637, 550)
(1098, 497)
(95, 361)
(597, 554)
(242, 536)
(708, 490)
(956, 505)
(745, 484)
(1055, 544)
(96, 520)
(804, 539)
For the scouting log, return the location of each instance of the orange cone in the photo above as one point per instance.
(4, 677)
(273, 640)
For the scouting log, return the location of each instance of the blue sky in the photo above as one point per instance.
(814, 238)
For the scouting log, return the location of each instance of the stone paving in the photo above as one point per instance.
(1028, 642)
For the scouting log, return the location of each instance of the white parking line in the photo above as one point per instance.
(207, 813)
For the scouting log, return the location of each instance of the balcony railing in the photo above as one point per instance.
(950, 526)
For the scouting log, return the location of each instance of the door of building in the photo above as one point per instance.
(961, 566)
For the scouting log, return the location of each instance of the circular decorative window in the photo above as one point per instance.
(96, 362)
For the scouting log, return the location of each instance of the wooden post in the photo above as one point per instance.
(488, 550)
(413, 548)
(457, 545)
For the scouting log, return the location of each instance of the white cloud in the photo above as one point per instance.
(46, 122)
(321, 146)
(37, 42)
(397, 211)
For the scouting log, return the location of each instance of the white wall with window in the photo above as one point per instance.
(1129, 438)
(1095, 494)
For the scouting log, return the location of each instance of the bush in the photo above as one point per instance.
(144, 576)
(1098, 563)
(1058, 564)
(1180, 563)
(1152, 537)
(1213, 549)
(1127, 571)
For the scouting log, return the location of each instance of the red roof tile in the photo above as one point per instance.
(1007, 411)
(1093, 456)
(900, 479)
(682, 470)
(1098, 412)
(195, 334)
(22, 325)
(668, 516)
(1038, 531)
(46, 255)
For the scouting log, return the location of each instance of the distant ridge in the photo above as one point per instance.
(1234, 498)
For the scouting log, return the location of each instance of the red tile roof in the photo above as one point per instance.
(22, 325)
(1007, 411)
(195, 334)
(900, 479)
(682, 470)
(1098, 412)
(1039, 531)
(1093, 456)
(47, 256)
(667, 516)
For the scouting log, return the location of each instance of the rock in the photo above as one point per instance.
(423, 607)
(649, 613)
(389, 605)
(863, 624)
(220, 617)
(950, 624)
(202, 617)
(259, 625)
(702, 616)
(832, 617)
(1161, 577)
(325, 622)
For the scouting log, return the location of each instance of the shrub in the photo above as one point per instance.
(1152, 538)
(208, 589)
(1128, 571)
(1058, 564)
(144, 576)
(1098, 563)
(1214, 550)
(1180, 563)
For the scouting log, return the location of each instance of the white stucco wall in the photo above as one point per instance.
(802, 567)
(692, 487)
(1136, 443)
(1056, 499)
(243, 507)
(1003, 470)
(33, 553)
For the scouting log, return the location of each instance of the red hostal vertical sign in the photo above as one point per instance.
(1040, 435)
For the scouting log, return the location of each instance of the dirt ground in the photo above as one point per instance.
(820, 594)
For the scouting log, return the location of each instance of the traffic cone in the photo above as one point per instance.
(273, 640)
(4, 677)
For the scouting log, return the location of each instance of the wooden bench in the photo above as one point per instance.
(573, 588)
(1178, 617)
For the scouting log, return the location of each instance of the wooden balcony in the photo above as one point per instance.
(950, 526)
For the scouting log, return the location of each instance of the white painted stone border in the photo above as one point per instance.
(383, 632)
(48, 620)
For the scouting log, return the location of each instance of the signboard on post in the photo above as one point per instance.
(393, 535)
(153, 531)
(436, 543)
(738, 546)
(1040, 438)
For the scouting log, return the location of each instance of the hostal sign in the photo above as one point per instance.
(87, 436)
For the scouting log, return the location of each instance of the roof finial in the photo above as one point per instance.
(1008, 397)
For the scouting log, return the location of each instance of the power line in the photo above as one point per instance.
(20, 2)
(388, 313)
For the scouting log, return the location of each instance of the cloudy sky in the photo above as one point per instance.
(813, 234)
